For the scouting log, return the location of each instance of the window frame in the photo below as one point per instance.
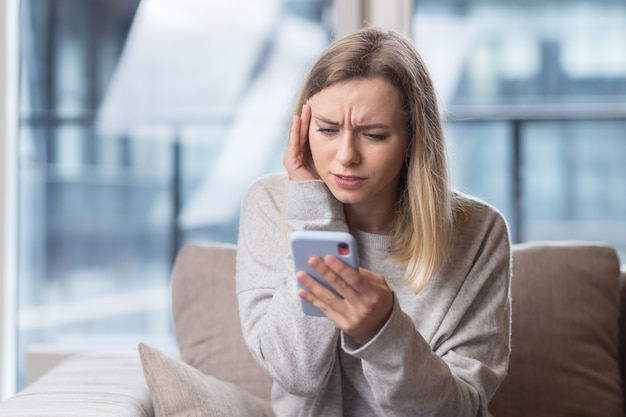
(8, 193)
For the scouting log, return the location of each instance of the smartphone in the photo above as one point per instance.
(306, 243)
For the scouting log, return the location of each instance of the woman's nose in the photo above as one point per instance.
(347, 150)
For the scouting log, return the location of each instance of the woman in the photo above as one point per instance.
(423, 326)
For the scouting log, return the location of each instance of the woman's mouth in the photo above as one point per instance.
(349, 181)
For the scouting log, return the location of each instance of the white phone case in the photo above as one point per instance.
(307, 243)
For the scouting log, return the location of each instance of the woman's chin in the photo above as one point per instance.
(347, 197)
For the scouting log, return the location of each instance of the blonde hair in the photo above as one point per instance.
(424, 217)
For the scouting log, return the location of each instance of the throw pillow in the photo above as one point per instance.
(179, 390)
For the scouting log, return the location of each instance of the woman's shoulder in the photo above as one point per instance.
(471, 212)
(479, 229)
(269, 184)
(270, 189)
(272, 180)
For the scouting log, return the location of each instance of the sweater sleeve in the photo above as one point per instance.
(298, 351)
(458, 371)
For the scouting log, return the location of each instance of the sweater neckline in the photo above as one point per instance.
(369, 239)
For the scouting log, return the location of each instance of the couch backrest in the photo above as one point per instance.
(206, 317)
(565, 333)
(566, 300)
(622, 327)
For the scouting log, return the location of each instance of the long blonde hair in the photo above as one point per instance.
(424, 217)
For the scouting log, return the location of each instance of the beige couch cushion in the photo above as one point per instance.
(564, 359)
(179, 390)
(622, 327)
(206, 317)
(94, 384)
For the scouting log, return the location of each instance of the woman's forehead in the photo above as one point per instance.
(363, 98)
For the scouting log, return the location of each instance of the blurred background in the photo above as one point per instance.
(142, 123)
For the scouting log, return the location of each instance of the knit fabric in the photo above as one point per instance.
(442, 352)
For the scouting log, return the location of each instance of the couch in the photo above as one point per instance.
(567, 358)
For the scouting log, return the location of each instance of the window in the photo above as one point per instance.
(534, 93)
(8, 123)
(142, 125)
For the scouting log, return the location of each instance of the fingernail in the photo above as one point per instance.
(314, 261)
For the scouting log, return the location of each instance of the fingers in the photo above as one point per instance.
(317, 294)
(367, 300)
(343, 280)
(336, 279)
(305, 120)
(293, 145)
(297, 154)
(349, 276)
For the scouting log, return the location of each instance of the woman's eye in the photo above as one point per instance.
(374, 136)
(327, 131)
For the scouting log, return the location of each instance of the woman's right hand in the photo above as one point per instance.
(297, 157)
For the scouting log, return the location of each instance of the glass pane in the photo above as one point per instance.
(480, 162)
(507, 52)
(554, 72)
(575, 181)
(142, 124)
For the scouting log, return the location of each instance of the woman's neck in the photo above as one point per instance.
(378, 222)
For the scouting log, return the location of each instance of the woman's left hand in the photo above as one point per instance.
(367, 300)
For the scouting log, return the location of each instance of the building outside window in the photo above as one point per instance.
(535, 95)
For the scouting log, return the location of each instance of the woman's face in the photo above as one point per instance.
(358, 141)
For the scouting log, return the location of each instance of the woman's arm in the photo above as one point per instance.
(457, 371)
(297, 350)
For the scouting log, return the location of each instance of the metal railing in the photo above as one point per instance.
(517, 116)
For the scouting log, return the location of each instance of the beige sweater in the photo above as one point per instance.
(443, 352)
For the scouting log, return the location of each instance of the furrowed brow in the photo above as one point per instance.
(374, 126)
(326, 121)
